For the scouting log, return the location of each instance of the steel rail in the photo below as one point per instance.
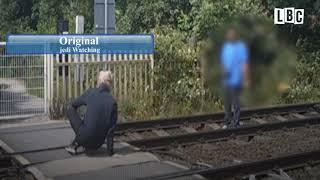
(245, 168)
(5, 162)
(203, 118)
(161, 142)
(177, 121)
(212, 117)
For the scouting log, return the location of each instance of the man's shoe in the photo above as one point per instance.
(224, 127)
(72, 148)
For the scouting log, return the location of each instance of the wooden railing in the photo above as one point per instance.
(68, 76)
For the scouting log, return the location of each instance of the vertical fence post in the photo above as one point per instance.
(135, 76)
(64, 90)
(116, 77)
(57, 80)
(145, 57)
(130, 77)
(51, 77)
(93, 70)
(140, 75)
(152, 71)
(120, 74)
(81, 73)
(125, 59)
(46, 98)
(69, 67)
(87, 70)
(76, 73)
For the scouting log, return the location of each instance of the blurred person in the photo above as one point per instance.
(100, 118)
(235, 68)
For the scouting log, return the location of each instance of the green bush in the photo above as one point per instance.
(178, 85)
(305, 87)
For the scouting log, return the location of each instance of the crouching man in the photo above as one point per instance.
(100, 118)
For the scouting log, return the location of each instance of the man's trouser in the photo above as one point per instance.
(232, 106)
(76, 123)
(110, 136)
(75, 120)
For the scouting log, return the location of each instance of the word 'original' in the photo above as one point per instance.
(78, 41)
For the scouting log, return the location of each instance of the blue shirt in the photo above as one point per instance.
(234, 55)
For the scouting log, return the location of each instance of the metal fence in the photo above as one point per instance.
(38, 84)
(22, 85)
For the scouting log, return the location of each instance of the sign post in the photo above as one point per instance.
(79, 68)
(79, 24)
(104, 16)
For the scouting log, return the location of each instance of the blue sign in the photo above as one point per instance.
(80, 44)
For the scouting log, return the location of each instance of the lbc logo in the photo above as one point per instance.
(288, 15)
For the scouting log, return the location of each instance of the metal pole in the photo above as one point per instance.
(45, 84)
(106, 16)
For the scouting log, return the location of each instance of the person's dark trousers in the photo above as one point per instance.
(75, 120)
(232, 106)
(110, 136)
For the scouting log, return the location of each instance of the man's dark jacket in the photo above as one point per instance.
(100, 117)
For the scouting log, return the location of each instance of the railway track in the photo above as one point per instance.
(8, 167)
(251, 170)
(203, 123)
(165, 130)
(163, 134)
(215, 135)
(295, 146)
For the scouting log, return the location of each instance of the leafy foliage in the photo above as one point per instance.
(39, 16)
(306, 85)
(137, 16)
(177, 78)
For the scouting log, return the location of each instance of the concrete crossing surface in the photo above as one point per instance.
(39, 147)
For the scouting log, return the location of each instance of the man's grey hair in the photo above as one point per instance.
(105, 77)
